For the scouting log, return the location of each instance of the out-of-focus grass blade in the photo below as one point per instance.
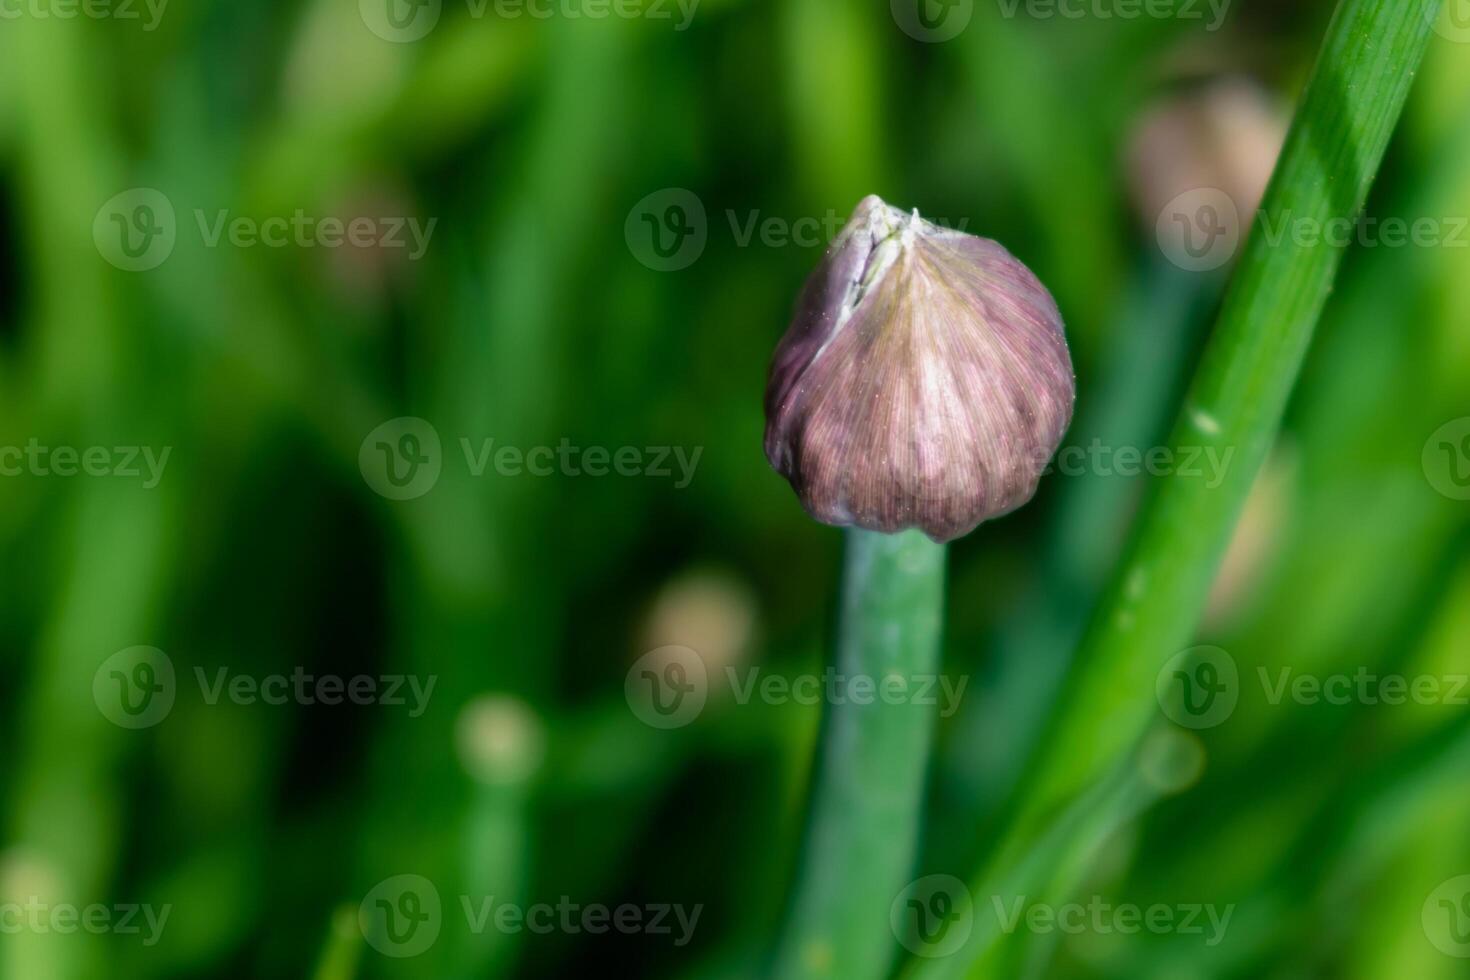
(1337, 142)
(831, 50)
(1341, 131)
(343, 947)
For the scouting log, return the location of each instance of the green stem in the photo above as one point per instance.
(1337, 142)
(343, 947)
(1153, 604)
(863, 824)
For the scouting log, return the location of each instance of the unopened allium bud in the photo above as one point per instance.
(924, 382)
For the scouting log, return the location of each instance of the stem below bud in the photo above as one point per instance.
(863, 820)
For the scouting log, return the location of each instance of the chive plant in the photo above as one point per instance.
(922, 387)
(924, 384)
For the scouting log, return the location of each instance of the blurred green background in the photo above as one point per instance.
(558, 158)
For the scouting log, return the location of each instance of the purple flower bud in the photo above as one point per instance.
(924, 382)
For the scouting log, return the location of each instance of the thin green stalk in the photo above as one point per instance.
(113, 541)
(493, 370)
(863, 823)
(342, 950)
(1153, 604)
(1341, 131)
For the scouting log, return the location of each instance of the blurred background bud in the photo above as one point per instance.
(1222, 134)
(709, 610)
(364, 270)
(500, 739)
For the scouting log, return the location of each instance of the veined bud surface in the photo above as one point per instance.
(924, 381)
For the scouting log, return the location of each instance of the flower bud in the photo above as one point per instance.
(924, 382)
(501, 739)
(1224, 135)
